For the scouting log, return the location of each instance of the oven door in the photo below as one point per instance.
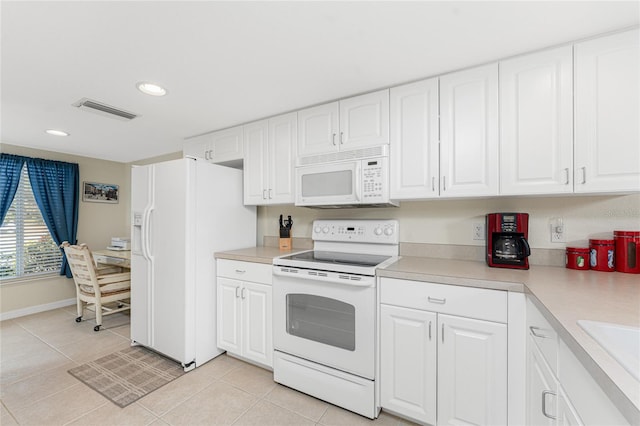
(325, 322)
(329, 184)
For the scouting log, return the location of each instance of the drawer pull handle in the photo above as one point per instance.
(536, 333)
(436, 300)
(544, 403)
(240, 271)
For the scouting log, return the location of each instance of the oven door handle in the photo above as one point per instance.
(331, 277)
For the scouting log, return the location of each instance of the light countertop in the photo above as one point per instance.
(259, 254)
(563, 295)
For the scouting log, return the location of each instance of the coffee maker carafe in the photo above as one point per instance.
(507, 245)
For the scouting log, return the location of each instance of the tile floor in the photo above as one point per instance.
(35, 388)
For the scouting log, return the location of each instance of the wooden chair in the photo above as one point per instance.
(97, 287)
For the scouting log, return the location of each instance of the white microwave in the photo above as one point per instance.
(348, 183)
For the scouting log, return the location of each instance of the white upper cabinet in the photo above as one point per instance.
(318, 129)
(218, 147)
(607, 136)
(283, 136)
(269, 160)
(352, 123)
(536, 126)
(255, 162)
(414, 140)
(469, 132)
(364, 120)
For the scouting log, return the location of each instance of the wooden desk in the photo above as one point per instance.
(113, 258)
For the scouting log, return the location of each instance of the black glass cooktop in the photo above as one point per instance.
(333, 257)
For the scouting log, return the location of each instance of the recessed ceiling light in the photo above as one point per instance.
(55, 132)
(151, 88)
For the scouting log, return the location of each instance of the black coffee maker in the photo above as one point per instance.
(507, 245)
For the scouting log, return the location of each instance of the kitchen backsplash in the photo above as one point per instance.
(450, 222)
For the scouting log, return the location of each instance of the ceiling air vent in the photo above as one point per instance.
(103, 109)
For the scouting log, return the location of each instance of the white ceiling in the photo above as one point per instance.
(226, 63)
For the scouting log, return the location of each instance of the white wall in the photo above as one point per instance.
(450, 221)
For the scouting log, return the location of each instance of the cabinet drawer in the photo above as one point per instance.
(245, 271)
(543, 335)
(470, 302)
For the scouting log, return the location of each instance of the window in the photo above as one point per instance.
(26, 246)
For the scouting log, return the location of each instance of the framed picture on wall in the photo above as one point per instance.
(100, 192)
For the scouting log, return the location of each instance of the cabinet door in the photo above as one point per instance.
(226, 145)
(257, 323)
(228, 315)
(283, 140)
(318, 130)
(414, 140)
(408, 362)
(606, 114)
(255, 183)
(567, 415)
(469, 132)
(472, 371)
(364, 120)
(541, 389)
(536, 123)
(197, 147)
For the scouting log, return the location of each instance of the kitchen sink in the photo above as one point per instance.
(621, 341)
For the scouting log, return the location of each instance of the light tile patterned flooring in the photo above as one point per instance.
(36, 389)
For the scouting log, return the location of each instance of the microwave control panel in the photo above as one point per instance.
(374, 180)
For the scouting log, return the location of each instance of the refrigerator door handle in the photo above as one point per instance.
(143, 232)
(147, 239)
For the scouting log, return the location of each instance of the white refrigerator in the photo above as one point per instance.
(182, 212)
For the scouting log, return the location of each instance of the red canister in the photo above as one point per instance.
(577, 258)
(601, 255)
(627, 253)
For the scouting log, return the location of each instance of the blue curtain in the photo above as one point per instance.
(56, 188)
(10, 168)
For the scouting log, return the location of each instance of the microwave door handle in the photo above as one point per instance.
(358, 171)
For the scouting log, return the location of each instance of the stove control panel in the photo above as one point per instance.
(360, 230)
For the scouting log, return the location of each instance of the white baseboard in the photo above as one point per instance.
(35, 309)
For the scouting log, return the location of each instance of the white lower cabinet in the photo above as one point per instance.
(542, 390)
(408, 362)
(560, 391)
(438, 368)
(567, 415)
(472, 371)
(245, 312)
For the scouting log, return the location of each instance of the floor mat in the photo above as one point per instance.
(127, 375)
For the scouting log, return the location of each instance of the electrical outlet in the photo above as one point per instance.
(478, 232)
(557, 230)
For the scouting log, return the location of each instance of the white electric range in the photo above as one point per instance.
(324, 304)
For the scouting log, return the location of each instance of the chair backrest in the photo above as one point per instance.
(82, 267)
